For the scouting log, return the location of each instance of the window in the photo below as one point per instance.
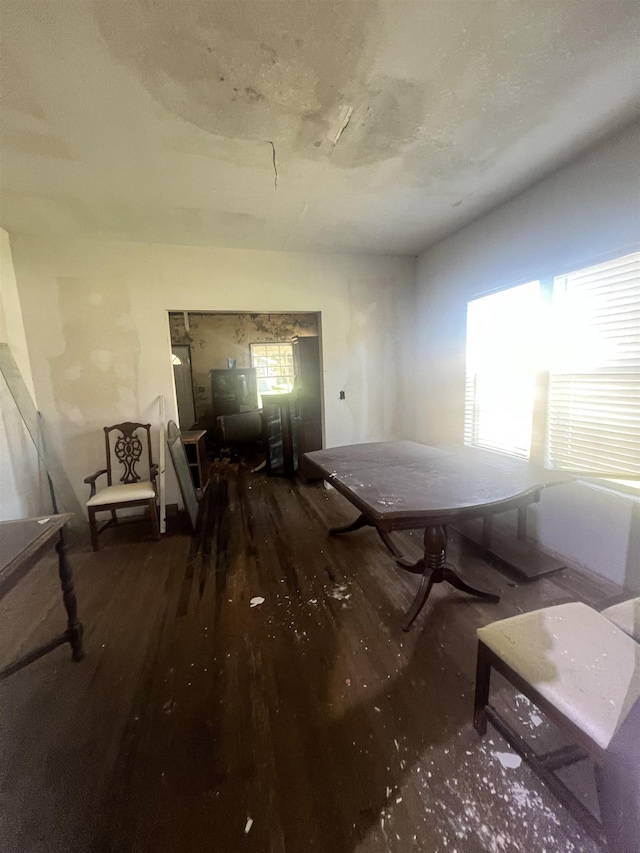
(274, 368)
(594, 372)
(556, 367)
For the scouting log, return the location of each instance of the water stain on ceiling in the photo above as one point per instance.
(310, 125)
(242, 70)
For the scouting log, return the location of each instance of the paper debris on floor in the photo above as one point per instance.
(508, 759)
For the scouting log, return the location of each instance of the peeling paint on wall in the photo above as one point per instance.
(95, 378)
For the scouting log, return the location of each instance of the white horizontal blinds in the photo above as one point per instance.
(594, 380)
(502, 351)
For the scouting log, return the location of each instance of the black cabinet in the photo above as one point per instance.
(308, 390)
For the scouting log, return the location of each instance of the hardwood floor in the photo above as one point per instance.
(308, 722)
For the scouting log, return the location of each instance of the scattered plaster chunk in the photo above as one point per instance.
(509, 759)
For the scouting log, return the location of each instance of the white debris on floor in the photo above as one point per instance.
(513, 819)
(339, 592)
(508, 759)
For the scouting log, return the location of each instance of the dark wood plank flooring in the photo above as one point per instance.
(309, 722)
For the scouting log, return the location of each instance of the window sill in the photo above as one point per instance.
(621, 488)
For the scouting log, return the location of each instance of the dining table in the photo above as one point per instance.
(407, 485)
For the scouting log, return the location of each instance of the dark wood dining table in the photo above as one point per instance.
(23, 542)
(405, 485)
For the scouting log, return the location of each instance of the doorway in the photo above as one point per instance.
(220, 344)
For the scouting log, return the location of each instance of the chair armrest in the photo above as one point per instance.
(153, 471)
(91, 481)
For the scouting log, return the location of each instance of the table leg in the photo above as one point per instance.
(522, 522)
(487, 528)
(432, 565)
(435, 570)
(451, 576)
(361, 521)
(426, 582)
(74, 626)
(391, 545)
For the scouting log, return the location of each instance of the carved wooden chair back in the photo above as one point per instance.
(130, 477)
(128, 449)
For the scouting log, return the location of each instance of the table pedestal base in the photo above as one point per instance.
(433, 567)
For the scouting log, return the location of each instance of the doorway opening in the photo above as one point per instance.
(236, 374)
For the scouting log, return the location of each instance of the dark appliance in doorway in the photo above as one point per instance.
(233, 391)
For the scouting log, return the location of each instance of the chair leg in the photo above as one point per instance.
(483, 683)
(93, 528)
(153, 511)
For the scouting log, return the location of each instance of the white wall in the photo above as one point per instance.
(96, 320)
(20, 481)
(588, 209)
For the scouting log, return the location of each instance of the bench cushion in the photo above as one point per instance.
(578, 660)
(626, 616)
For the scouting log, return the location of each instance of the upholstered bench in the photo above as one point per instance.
(576, 666)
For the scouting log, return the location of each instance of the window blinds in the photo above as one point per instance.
(593, 419)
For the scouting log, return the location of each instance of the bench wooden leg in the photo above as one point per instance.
(483, 684)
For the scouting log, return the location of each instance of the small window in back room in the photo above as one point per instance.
(503, 342)
(274, 368)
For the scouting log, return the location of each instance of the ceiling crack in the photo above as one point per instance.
(275, 168)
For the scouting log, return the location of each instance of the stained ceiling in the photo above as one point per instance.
(306, 125)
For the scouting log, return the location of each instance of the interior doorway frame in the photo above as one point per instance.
(282, 312)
